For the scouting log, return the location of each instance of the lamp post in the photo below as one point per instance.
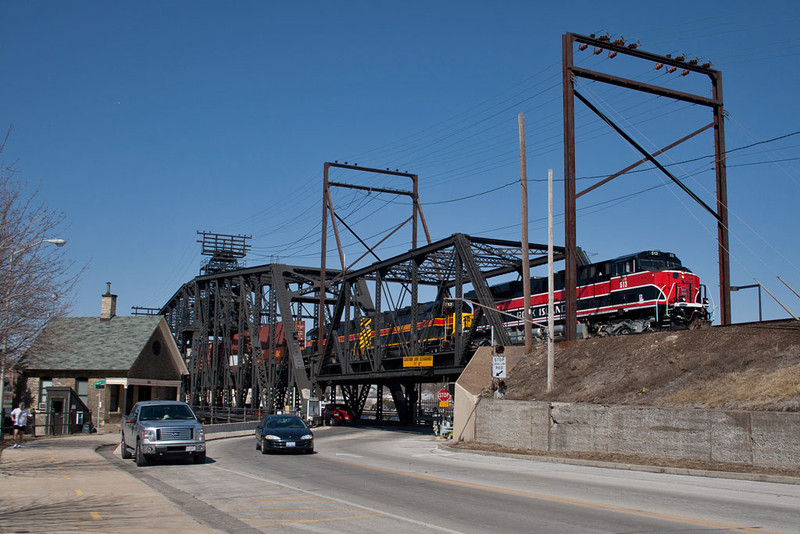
(737, 288)
(7, 320)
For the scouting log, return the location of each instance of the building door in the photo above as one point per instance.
(58, 418)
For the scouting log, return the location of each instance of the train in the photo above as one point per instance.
(639, 292)
(648, 290)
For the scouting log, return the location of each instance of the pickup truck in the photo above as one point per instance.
(162, 429)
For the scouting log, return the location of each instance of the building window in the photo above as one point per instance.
(44, 383)
(113, 398)
(82, 389)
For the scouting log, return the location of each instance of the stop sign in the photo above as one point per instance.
(444, 395)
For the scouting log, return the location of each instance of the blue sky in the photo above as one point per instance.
(145, 122)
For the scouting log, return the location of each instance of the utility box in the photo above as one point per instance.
(312, 411)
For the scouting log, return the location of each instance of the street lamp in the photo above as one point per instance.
(55, 241)
(737, 288)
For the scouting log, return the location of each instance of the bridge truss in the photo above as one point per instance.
(251, 336)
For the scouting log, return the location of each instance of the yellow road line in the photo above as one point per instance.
(565, 500)
(67, 477)
(78, 492)
(96, 516)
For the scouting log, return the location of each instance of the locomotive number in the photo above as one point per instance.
(623, 282)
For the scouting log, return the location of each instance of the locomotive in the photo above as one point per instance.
(649, 290)
(435, 329)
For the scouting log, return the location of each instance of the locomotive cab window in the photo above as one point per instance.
(624, 267)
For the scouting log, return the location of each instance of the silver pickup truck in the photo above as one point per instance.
(161, 428)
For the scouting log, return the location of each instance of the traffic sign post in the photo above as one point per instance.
(498, 366)
(444, 398)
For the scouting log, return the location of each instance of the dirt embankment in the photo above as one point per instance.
(741, 367)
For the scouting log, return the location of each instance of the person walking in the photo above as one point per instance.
(19, 418)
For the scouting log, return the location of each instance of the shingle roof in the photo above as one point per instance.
(81, 343)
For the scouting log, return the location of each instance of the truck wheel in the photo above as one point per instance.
(141, 459)
(124, 451)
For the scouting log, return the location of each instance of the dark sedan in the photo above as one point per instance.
(284, 433)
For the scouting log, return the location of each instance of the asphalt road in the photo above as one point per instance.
(382, 481)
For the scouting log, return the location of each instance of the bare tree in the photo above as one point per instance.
(34, 274)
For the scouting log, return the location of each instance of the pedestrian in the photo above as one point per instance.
(19, 418)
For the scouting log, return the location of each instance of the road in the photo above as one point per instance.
(382, 481)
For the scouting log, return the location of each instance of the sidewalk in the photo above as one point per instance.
(63, 485)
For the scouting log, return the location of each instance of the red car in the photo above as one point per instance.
(336, 414)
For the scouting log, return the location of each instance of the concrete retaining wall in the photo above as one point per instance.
(765, 439)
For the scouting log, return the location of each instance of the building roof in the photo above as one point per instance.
(89, 343)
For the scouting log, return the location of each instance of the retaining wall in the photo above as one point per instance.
(765, 439)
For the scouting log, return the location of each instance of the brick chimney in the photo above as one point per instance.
(109, 308)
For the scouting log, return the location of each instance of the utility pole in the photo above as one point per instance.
(526, 265)
(550, 291)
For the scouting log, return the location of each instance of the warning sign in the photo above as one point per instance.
(418, 361)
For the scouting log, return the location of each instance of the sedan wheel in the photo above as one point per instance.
(263, 446)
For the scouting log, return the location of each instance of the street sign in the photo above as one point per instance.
(100, 384)
(444, 395)
(498, 366)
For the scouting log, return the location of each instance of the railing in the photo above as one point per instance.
(52, 423)
(226, 414)
(427, 410)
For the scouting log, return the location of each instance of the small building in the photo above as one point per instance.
(109, 363)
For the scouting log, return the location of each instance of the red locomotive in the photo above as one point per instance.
(648, 290)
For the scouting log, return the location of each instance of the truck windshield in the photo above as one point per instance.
(153, 413)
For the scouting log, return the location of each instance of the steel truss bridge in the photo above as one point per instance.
(244, 337)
